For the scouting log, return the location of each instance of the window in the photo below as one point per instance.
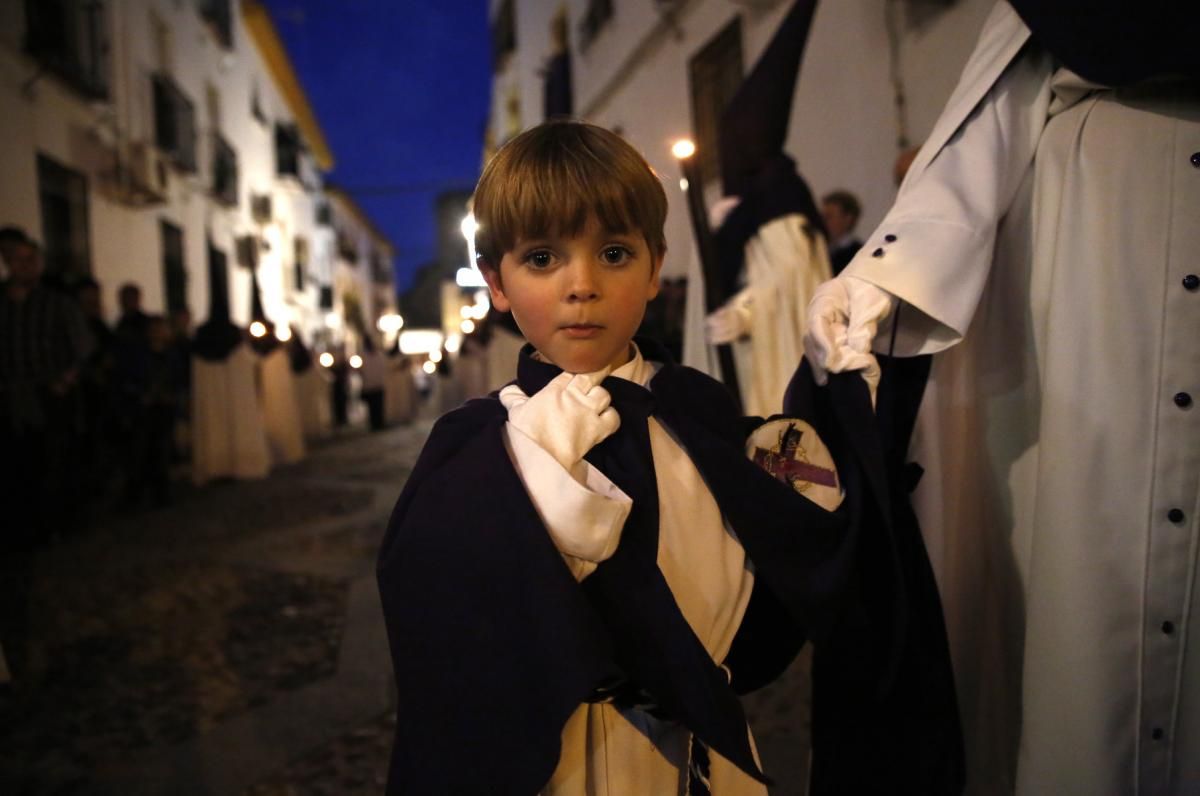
(598, 13)
(300, 266)
(380, 270)
(256, 110)
(324, 214)
(325, 301)
(715, 73)
(504, 35)
(174, 272)
(219, 16)
(260, 207)
(287, 150)
(63, 195)
(174, 122)
(218, 284)
(224, 172)
(69, 38)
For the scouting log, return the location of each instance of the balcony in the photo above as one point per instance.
(287, 150)
(174, 122)
(224, 172)
(69, 39)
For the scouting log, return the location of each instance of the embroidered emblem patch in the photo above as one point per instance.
(790, 450)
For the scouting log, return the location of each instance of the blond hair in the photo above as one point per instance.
(552, 178)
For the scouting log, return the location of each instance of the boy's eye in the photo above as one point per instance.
(616, 255)
(539, 258)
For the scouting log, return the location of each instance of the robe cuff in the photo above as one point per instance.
(582, 509)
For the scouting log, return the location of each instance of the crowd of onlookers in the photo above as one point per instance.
(88, 411)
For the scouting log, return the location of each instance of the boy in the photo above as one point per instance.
(568, 566)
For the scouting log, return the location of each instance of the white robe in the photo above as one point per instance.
(228, 436)
(399, 392)
(313, 399)
(607, 751)
(285, 429)
(1058, 220)
(783, 266)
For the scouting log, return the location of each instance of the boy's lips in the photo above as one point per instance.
(582, 331)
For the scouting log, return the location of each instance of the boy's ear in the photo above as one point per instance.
(495, 286)
(655, 273)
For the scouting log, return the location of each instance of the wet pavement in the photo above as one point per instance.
(232, 644)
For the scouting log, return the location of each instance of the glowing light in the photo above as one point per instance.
(429, 367)
(258, 329)
(466, 311)
(453, 343)
(435, 356)
(355, 361)
(467, 326)
(283, 333)
(683, 183)
(326, 360)
(469, 277)
(333, 320)
(420, 341)
(390, 323)
(683, 149)
(468, 226)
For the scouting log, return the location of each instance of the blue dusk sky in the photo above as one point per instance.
(401, 90)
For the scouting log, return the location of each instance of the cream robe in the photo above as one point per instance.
(228, 436)
(612, 752)
(313, 399)
(1054, 448)
(281, 409)
(783, 267)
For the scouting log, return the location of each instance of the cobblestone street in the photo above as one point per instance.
(232, 644)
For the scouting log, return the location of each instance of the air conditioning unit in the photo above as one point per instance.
(247, 251)
(141, 175)
(260, 207)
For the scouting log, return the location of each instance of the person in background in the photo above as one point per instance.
(841, 210)
(372, 373)
(44, 343)
(98, 440)
(158, 381)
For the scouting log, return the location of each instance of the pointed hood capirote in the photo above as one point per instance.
(217, 337)
(753, 129)
(268, 342)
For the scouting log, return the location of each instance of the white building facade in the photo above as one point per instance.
(154, 141)
(659, 70)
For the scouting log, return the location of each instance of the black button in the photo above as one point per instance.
(877, 253)
(1191, 282)
(1156, 733)
(1183, 400)
(889, 238)
(1168, 627)
(1196, 159)
(1175, 516)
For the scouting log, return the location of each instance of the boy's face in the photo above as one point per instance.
(578, 299)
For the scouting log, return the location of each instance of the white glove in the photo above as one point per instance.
(567, 417)
(843, 317)
(731, 321)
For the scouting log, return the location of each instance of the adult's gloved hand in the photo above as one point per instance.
(567, 417)
(731, 321)
(843, 317)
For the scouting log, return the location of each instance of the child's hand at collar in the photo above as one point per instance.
(567, 417)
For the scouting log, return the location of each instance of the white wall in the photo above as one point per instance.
(44, 115)
(843, 129)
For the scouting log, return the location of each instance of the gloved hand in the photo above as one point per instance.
(843, 317)
(567, 417)
(730, 321)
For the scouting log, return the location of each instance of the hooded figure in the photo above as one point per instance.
(770, 246)
(1046, 246)
(227, 422)
(285, 430)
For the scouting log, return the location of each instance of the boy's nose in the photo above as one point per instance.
(582, 284)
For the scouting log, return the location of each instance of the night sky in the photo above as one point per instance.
(401, 92)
